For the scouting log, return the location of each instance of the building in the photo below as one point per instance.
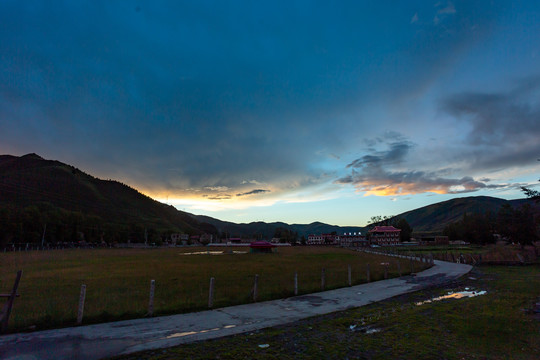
(353, 240)
(384, 235)
(323, 239)
(179, 239)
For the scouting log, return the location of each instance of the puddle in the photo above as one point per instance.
(203, 253)
(364, 329)
(213, 253)
(454, 295)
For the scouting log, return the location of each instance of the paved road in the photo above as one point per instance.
(123, 337)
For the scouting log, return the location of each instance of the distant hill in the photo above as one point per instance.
(267, 230)
(434, 218)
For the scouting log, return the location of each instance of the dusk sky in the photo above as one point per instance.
(293, 111)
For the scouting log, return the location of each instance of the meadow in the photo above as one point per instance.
(118, 280)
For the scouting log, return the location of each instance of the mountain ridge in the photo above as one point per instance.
(54, 188)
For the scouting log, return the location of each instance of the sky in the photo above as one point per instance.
(293, 111)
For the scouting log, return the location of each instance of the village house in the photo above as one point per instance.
(179, 239)
(323, 239)
(353, 240)
(384, 235)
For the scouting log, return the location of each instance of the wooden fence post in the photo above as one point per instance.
(323, 279)
(350, 275)
(255, 285)
(151, 301)
(82, 297)
(6, 310)
(211, 294)
(296, 283)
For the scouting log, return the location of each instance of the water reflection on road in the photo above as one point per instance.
(187, 333)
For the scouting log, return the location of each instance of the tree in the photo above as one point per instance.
(381, 220)
(406, 230)
(531, 194)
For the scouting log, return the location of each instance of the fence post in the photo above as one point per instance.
(151, 301)
(368, 275)
(350, 275)
(296, 283)
(323, 279)
(82, 296)
(6, 310)
(211, 293)
(255, 285)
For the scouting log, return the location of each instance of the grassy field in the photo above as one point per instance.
(497, 325)
(118, 280)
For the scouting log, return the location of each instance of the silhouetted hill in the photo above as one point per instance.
(55, 188)
(433, 218)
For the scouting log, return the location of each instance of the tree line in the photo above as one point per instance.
(47, 224)
(517, 225)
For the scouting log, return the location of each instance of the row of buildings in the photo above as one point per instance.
(379, 235)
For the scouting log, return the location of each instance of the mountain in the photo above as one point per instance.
(57, 194)
(434, 218)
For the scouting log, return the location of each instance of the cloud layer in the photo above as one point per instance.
(269, 102)
(500, 131)
(376, 174)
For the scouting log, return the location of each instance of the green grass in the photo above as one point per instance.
(118, 280)
(492, 326)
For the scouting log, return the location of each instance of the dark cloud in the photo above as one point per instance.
(253, 192)
(397, 153)
(385, 183)
(504, 128)
(203, 89)
(374, 174)
(217, 197)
